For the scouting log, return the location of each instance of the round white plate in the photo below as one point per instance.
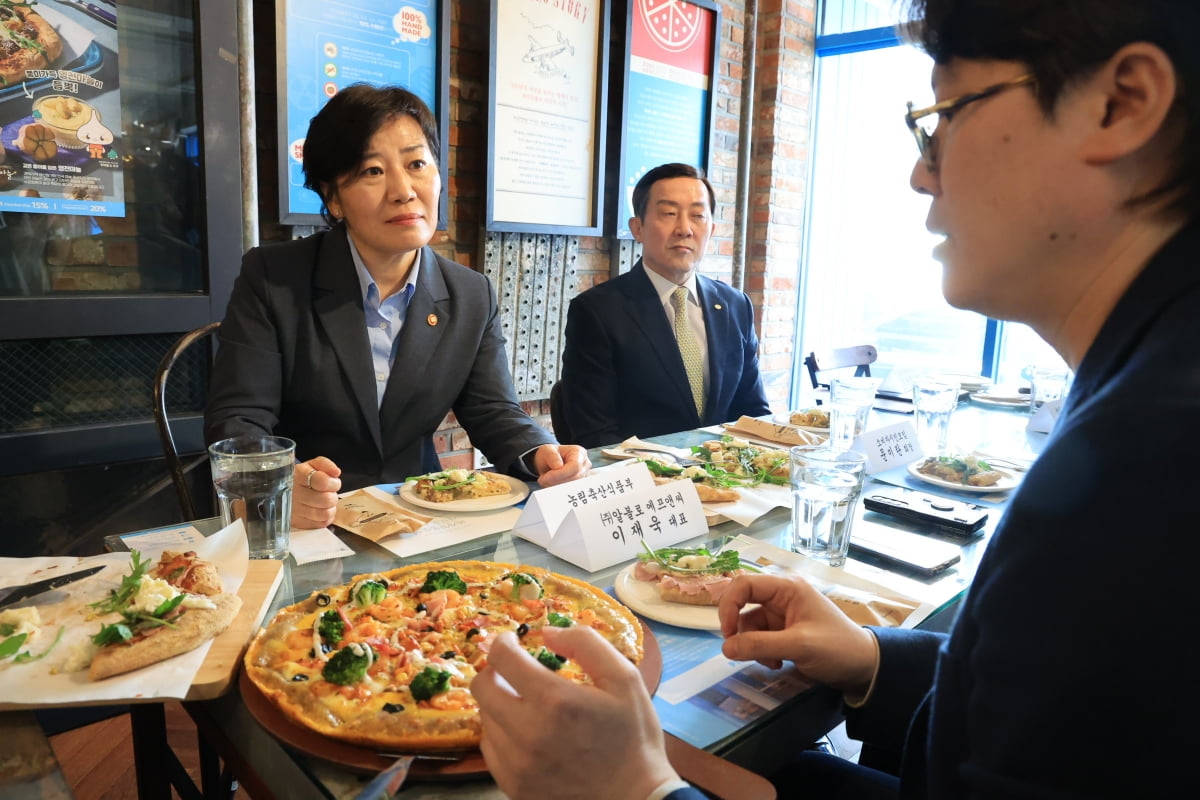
(518, 490)
(966, 382)
(1001, 400)
(1006, 482)
(621, 454)
(642, 598)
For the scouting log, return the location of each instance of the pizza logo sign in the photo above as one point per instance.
(673, 24)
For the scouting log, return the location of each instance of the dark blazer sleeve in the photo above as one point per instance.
(689, 793)
(246, 388)
(748, 396)
(907, 663)
(590, 376)
(488, 407)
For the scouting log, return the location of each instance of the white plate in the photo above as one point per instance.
(1001, 400)
(642, 598)
(518, 490)
(1006, 482)
(966, 382)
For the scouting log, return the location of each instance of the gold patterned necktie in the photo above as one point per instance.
(688, 348)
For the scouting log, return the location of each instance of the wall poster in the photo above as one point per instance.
(330, 44)
(60, 110)
(549, 87)
(670, 64)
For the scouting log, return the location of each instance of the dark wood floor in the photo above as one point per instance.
(97, 759)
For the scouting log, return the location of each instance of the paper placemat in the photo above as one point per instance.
(47, 682)
(446, 528)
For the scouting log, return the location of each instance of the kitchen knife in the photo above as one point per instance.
(15, 594)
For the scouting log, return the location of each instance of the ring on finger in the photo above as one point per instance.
(308, 480)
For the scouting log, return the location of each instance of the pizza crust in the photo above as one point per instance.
(191, 629)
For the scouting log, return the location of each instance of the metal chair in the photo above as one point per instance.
(861, 357)
(163, 423)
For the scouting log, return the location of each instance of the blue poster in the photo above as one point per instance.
(61, 145)
(331, 44)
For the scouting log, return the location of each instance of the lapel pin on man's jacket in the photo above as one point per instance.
(432, 319)
(717, 306)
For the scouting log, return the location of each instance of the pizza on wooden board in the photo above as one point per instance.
(27, 41)
(169, 609)
(386, 661)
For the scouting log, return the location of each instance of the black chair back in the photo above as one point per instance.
(163, 422)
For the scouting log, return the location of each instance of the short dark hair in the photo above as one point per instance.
(641, 192)
(1063, 40)
(339, 133)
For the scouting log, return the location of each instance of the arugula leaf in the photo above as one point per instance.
(724, 561)
(23, 658)
(123, 595)
(167, 606)
(112, 634)
(12, 644)
(7, 629)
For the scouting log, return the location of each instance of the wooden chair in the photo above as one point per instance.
(860, 357)
(163, 423)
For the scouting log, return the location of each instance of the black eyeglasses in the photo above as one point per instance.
(923, 131)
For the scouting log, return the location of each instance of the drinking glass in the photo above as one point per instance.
(1046, 384)
(253, 479)
(934, 401)
(850, 401)
(826, 485)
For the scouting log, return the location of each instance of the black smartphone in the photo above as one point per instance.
(910, 550)
(951, 516)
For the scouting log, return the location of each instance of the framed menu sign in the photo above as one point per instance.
(670, 61)
(326, 45)
(549, 84)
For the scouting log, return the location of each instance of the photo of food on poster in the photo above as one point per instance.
(60, 108)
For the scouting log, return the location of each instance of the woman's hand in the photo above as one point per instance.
(559, 463)
(797, 623)
(315, 486)
(543, 736)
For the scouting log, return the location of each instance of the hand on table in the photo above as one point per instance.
(797, 623)
(314, 493)
(546, 737)
(559, 463)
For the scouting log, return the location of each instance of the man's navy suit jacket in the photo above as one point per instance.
(622, 372)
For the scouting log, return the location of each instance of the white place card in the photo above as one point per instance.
(546, 509)
(890, 446)
(612, 530)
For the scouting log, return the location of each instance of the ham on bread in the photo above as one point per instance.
(696, 587)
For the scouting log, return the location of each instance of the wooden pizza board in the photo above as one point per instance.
(220, 667)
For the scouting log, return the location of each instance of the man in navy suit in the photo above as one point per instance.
(1062, 164)
(624, 373)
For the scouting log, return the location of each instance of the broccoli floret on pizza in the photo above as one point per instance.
(332, 627)
(443, 579)
(348, 665)
(428, 682)
(549, 660)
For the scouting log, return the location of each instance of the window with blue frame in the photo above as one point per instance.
(867, 273)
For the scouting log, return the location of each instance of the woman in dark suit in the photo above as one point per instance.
(357, 341)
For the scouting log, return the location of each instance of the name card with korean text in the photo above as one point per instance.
(600, 534)
(888, 447)
(546, 509)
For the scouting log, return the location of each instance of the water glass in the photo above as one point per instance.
(253, 479)
(826, 485)
(934, 401)
(1046, 384)
(850, 401)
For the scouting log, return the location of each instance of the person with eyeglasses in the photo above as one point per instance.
(1062, 163)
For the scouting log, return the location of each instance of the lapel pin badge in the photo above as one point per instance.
(432, 319)
(717, 306)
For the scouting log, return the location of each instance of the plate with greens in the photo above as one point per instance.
(518, 490)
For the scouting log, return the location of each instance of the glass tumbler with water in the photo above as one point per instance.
(826, 485)
(253, 479)
(934, 400)
(850, 401)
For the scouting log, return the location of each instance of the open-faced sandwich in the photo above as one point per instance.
(691, 575)
(459, 484)
(749, 464)
(169, 609)
(711, 487)
(810, 418)
(968, 470)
